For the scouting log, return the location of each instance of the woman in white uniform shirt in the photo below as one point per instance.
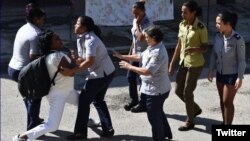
(62, 92)
(101, 71)
(25, 50)
(155, 81)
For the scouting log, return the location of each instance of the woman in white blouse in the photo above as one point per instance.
(60, 93)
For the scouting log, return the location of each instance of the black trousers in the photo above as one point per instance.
(157, 117)
(132, 83)
(94, 91)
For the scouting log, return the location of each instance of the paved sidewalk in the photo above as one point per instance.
(128, 126)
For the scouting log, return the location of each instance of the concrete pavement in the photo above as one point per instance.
(128, 126)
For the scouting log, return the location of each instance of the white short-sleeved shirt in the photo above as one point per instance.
(61, 82)
(90, 45)
(25, 43)
(155, 59)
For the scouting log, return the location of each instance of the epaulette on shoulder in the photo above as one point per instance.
(237, 36)
(87, 36)
(200, 25)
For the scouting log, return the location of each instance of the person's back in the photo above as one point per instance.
(26, 50)
(61, 82)
(25, 44)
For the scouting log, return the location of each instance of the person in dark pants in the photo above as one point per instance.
(192, 43)
(101, 71)
(26, 50)
(155, 81)
(140, 22)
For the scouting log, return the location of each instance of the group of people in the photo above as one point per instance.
(147, 63)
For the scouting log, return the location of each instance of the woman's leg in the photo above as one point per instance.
(32, 106)
(133, 92)
(101, 105)
(180, 82)
(73, 98)
(167, 129)
(190, 85)
(229, 93)
(154, 113)
(56, 103)
(220, 91)
(33, 111)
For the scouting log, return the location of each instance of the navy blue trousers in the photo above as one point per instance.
(32, 106)
(132, 83)
(94, 91)
(157, 117)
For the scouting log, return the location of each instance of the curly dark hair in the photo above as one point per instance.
(45, 41)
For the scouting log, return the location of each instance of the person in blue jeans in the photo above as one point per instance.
(155, 81)
(25, 50)
(101, 70)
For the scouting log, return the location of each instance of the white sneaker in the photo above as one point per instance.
(16, 138)
(93, 123)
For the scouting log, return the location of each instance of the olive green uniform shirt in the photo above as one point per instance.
(192, 36)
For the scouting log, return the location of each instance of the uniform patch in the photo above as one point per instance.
(241, 46)
(200, 25)
(237, 36)
(155, 58)
(87, 36)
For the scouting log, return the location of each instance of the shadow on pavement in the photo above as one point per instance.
(207, 122)
(63, 134)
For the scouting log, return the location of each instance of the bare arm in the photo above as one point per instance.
(133, 57)
(83, 66)
(131, 49)
(202, 49)
(139, 34)
(175, 57)
(138, 70)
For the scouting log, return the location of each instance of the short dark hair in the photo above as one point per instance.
(229, 17)
(140, 5)
(154, 32)
(45, 41)
(193, 6)
(33, 13)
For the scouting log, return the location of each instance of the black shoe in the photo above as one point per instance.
(138, 109)
(198, 113)
(40, 120)
(77, 136)
(109, 133)
(186, 127)
(128, 106)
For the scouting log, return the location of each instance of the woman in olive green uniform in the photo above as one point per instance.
(192, 43)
